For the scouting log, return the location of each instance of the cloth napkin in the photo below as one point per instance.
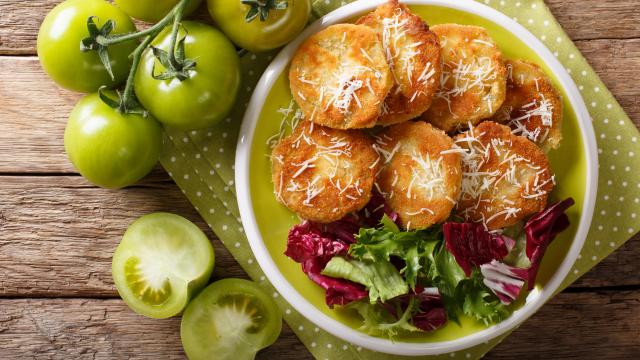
(202, 164)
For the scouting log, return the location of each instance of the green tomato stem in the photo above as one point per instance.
(177, 11)
(127, 95)
(177, 19)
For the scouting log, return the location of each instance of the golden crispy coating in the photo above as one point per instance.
(505, 177)
(413, 53)
(323, 174)
(473, 81)
(339, 77)
(532, 107)
(421, 175)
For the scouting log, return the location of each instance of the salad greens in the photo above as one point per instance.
(381, 278)
(378, 320)
(379, 244)
(406, 281)
(428, 263)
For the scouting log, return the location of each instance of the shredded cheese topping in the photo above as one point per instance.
(427, 176)
(524, 124)
(493, 189)
(401, 57)
(330, 164)
(289, 119)
(472, 74)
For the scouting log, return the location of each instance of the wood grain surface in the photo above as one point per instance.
(106, 328)
(57, 232)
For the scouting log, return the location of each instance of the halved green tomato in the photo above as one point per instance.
(161, 262)
(230, 319)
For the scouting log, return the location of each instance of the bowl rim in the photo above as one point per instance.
(536, 297)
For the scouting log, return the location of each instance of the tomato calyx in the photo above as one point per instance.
(124, 105)
(261, 8)
(178, 68)
(90, 43)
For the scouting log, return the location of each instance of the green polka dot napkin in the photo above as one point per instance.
(201, 163)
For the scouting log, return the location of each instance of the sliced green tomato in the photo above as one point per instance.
(161, 262)
(230, 319)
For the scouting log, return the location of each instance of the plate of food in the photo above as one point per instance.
(416, 178)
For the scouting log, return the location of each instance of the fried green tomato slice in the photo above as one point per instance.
(505, 177)
(339, 77)
(421, 173)
(323, 174)
(532, 107)
(473, 81)
(413, 54)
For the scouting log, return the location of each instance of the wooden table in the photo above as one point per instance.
(57, 232)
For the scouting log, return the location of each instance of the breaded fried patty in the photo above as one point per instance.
(473, 81)
(505, 177)
(420, 176)
(339, 77)
(324, 174)
(413, 54)
(532, 107)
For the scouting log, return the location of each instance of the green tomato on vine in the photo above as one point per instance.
(59, 44)
(186, 76)
(201, 90)
(260, 25)
(109, 148)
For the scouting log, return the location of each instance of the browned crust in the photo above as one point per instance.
(501, 194)
(414, 89)
(527, 84)
(417, 206)
(334, 54)
(467, 45)
(306, 142)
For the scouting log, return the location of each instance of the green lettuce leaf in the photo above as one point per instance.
(447, 276)
(381, 278)
(517, 256)
(379, 244)
(378, 321)
(465, 295)
(479, 302)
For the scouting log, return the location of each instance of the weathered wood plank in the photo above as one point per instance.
(601, 325)
(33, 115)
(617, 62)
(33, 110)
(58, 235)
(102, 329)
(586, 325)
(582, 19)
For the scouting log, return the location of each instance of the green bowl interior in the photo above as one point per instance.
(274, 220)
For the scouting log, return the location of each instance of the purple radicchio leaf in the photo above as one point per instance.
(472, 245)
(309, 245)
(504, 280)
(540, 230)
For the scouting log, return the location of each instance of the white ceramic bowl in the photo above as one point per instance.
(536, 297)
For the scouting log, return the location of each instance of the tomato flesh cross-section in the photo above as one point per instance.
(161, 262)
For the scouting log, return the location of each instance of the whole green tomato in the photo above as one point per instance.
(153, 10)
(59, 45)
(280, 26)
(111, 149)
(207, 95)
